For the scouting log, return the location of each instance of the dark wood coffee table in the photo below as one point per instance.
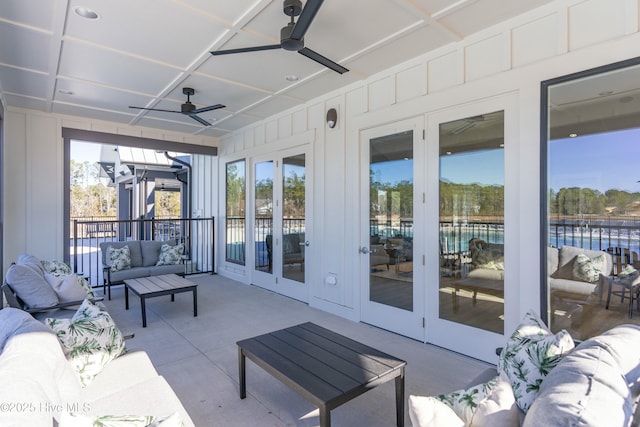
(326, 368)
(155, 286)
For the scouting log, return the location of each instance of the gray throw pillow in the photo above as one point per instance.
(31, 287)
(32, 262)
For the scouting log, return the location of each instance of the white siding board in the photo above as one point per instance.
(485, 57)
(444, 72)
(411, 83)
(535, 40)
(595, 21)
(382, 93)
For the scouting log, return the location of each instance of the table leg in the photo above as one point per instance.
(242, 373)
(143, 304)
(325, 417)
(195, 302)
(400, 399)
(126, 297)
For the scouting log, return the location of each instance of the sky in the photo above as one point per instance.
(85, 151)
(602, 161)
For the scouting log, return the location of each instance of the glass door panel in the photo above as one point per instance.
(263, 227)
(293, 217)
(391, 220)
(472, 221)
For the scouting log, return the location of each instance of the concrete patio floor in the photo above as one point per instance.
(198, 356)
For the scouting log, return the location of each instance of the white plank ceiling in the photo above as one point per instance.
(144, 52)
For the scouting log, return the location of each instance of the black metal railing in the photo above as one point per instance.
(197, 235)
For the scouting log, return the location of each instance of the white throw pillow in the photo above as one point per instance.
(529, 355)
(430, 412)
(68, 288)
(499, 409)
(465, 402)
(90, 340)
(587, 269)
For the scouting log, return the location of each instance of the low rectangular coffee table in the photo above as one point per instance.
(155, 286)
(326, 368)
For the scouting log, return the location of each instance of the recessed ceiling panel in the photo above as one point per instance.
(225, 10)
(23, 82)
(83, 93)
(170, 33)
(22, 47)
(24, 11)
(98, 65)
(38, 104)
(81, 111)
(324, 83)
(272, 106)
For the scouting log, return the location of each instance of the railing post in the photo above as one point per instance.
(213, 244)
(75, 245)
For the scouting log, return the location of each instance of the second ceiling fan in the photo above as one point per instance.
(292, 35)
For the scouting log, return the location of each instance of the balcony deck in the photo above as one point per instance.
(198, 356)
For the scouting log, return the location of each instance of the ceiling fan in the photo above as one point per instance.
(188, 108)
(292, 35)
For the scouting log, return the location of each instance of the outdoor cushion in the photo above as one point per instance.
(464, 402)
(150, 251)
(14, 321)
(57, 268)
(529, 355)
(170, 255)
(67, 288)
(90, 340)
(135, 251)
(30, 261)
(119, 258)
(168, 269)
(31, 287)
(81, 420)
(427, 411)
(130, 273)
(589, 387)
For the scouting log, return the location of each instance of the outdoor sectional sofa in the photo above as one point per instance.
(545, 379)
(146, 258)
(41, 384)
(70, 363)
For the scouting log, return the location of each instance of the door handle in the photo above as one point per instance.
(365, 250)
(304, 243)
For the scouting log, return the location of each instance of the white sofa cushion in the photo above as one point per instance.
(68, 288)
(592, 386)
(34, 363)
(121, 373)
(153, 396)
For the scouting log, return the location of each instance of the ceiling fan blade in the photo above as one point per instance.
(322, 60)
(306, 17)
(198, 119)
(154, 109)
(245, 49)
(209, 108)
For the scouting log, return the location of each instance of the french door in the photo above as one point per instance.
(392, 207)
(281, 208)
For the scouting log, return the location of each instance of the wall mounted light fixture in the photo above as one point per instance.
(332, 118)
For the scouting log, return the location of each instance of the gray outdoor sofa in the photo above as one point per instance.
(144, 256)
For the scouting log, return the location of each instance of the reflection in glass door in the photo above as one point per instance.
(293, 217)
(263, 227)
(392, 291)
(280, 221)
(472, 221)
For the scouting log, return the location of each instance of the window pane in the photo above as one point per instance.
(293, 217)
(593, 201)
(235, 213)
(472, 221)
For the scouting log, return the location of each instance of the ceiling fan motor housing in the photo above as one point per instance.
(288, 43)
(187, 107)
